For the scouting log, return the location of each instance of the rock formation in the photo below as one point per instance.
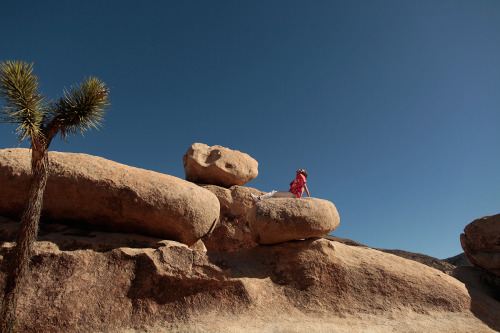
(89, 280)
(218, 165)
(481, 243)
(459, 260)
(100, 193)
(285, 220)
(446, 265)
(232, 233)
(459, 267)
(282, 219)
(78, 283)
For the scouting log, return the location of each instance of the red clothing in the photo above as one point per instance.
(297, 185)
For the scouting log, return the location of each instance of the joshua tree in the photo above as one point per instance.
(39, 121)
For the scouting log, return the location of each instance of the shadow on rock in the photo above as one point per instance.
(485, 308)
(484, 291)
(70, 238)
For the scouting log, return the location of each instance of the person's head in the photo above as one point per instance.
(302, 172)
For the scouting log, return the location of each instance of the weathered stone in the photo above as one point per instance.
(218, 165)
(479, 279)
(199, 246)
(232, 233)
(481, 243)
(283, 219)
(314, 285)
(101, 193)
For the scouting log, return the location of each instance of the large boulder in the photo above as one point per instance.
(278, 220)
(218, 165)
(315, 285)
(101, 193)
(232, 233)
(481, 243)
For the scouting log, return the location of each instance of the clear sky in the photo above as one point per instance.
(392, 106)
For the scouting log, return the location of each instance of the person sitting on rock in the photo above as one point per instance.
(297, 187)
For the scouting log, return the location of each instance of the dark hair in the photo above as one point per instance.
(304, 172)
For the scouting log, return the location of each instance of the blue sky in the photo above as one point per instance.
(392, 106)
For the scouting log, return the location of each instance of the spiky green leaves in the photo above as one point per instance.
(23, 106)
(82, 108)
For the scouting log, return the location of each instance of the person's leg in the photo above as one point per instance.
(267, 195)
(273, 194)
(277, 194)
(283, 194)
(263, 196)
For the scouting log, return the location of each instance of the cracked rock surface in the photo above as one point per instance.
(481, 243)
(90, 281)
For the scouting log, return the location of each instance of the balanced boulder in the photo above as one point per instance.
(97, 192)
(218, 165)
(481, 243)
(278, 220)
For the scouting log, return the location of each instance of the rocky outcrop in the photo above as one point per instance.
(232, 233)
(282, 219)
(458, 266)
(481, 243)
(446, 266)
(479, 279)
(68, 238)
(458, 260)
(313, 285)
(100, 193)
(423, 259)
(218, 165)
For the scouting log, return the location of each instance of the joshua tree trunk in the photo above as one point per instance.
(21, 255)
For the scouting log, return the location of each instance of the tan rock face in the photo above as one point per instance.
(314, 285)
(105, 194)
(481, 243)
(278, 220)
(232, 233)
(218, 165)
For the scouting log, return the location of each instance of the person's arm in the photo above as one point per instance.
(307, 191)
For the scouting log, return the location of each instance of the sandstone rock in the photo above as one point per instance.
(8, 229)
(199, 246)
(481, 243)
(101, 193)
(444, 266)
(345, 241)
(68, 238)
(459, 260)
(282, 219)
(218, 165)
(232, 233)
(314, 285)
(478, 279)
(423, 259)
